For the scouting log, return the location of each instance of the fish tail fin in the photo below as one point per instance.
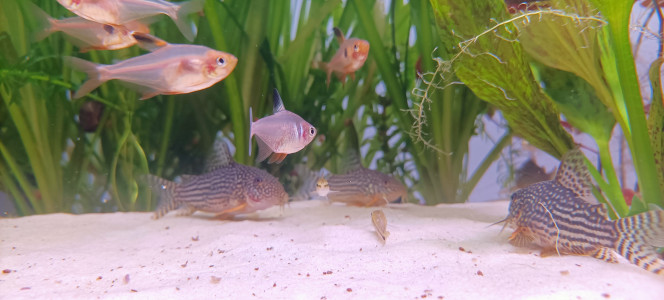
(251, 124)
(95, 77)
(167, 201)
(45, 23)
(148, 42)
(186, 26)
(639, 235)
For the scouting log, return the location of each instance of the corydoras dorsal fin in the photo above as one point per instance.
(339, 34)
(574, 175)
(219, 157)
(278, 104)
(352, 159)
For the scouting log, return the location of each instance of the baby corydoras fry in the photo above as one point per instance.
(380, 223)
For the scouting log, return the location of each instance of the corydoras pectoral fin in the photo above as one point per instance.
(278, 104)
(339, 34)
(220, 156)
(521, 237)
(574, 175)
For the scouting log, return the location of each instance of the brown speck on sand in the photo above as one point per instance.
(270, 248)
(564, 272)
(255, 269)
(462, 249)
(480, 273)
(185, 264)
(308, 275)
(125, 280)
(215, 279)
(134, 291)
(606, 295)
(327, 272)
(274, 285)
(349, 290)
(99, 277)
(167, 227)
(194, 238)
(25, 288)
(6, 271)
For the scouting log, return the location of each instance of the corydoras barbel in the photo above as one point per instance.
(279, 134)
(171, 69)
(120, 12)
(349, 58)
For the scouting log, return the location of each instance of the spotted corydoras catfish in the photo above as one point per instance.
(360, 186)
(562, 217)
(227, 189)
(279, 134)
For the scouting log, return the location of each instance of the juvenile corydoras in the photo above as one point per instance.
(562, 217)
(120, 12)
(349, 58)
(279, 134)
(227, 189)
(168, 70)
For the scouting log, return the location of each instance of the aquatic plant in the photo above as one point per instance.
(602, 89)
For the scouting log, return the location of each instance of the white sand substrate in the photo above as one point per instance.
(311, 250)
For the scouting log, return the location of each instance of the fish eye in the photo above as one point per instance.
(357, 47)
(312, 131)
(221, 61)
(258, 180)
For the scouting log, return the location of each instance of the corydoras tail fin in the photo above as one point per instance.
(219, 157)
(277, 103)
(339, 34)
(638, 238)
(574, 175)
(94, 76)
(181, 19)
(166, 189)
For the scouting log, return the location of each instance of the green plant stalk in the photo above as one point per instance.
(232, 89)
(617, 14)
(114, 166)
(491, 157)
(166, 136)
(22, 181)
(616, 198)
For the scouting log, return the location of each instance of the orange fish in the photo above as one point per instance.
(168, 70)
(120, 12)
(280, 134)
(88, 35)
(349, 58)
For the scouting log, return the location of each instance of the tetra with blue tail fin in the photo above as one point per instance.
(562, 217)
(227, 189)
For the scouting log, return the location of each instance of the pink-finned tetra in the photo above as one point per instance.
(227, 189)
(562, 217)
(279, 134)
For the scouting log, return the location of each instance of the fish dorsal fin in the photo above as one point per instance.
(219, 157)
(339, 34)
(352, 160)
(278, 104)
(574, 175)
